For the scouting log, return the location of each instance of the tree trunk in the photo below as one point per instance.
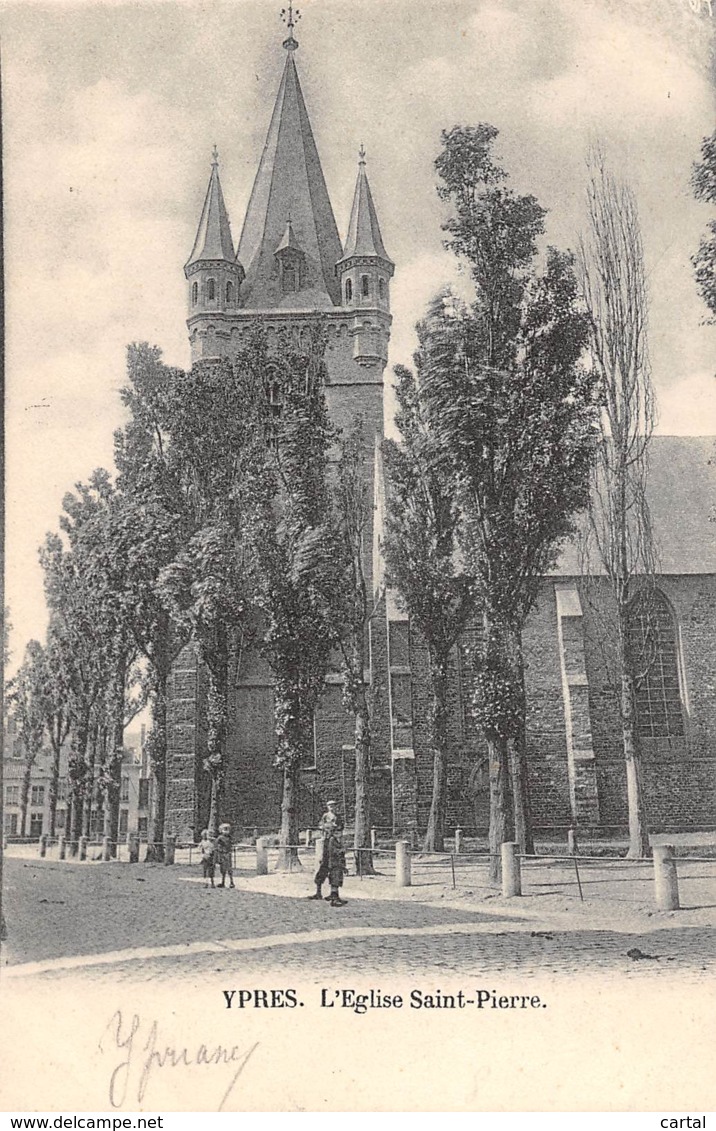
(78, 773)
(158, 757)
(639, 848)
(435, 835)
(25, 795)
(114, 755)
(54, 782)
(501, 814)
(518, 749)
(288, 835)
(89, 788)
(361, 833)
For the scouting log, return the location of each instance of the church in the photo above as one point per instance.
(289, 268)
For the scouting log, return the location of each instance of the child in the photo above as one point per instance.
(207, 848)
(224, 853)
(332, 867)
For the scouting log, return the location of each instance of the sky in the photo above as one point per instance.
(110, 114)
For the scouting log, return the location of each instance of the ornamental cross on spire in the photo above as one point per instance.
(290, 17)
(215, 156)
(361, 155)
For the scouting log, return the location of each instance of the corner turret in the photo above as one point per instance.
(365, 270)
(213, 272)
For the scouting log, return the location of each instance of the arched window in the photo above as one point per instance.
(365, 286)
(229, 293)
(289, 278)
(654, 654)
(274, 396)
(210, 289)
(381, 288)
(194, 294)
(349, 290)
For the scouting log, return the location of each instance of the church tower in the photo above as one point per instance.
(289, 271)
(290, 266)
(214, 275)
(365, 270)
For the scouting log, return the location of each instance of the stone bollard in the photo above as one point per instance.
(61, 846)
(458, 841)
(261, 857)
(511, 871)
(402, 864)
(106, 848)
(373, 838)
(43, 845)
(666, 880)
(133, 848)
(84, 841)
(572, 842)
(319, 851)
(170, 844)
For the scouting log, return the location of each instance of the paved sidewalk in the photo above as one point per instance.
(151, 922)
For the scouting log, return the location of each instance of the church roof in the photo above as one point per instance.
(681, 492)
(213, 238)
(289, 182)
(288, 240)
(364, 236)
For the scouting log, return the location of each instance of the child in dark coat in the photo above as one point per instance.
(224, 854)
(332, 867)
(208, 857)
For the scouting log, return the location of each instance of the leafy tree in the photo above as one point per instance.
(620, 537)
(217, 443)
(25, 699)
(295, 555)
(353, 608)
(419, 548)
(511, 408)
(86, 643)
(54, 692)
(150, 527)
(703, 182)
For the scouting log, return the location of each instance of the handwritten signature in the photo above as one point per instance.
(142, 1054)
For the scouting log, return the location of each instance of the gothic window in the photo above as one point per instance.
(654, 651)
(401, 711)
(10, 825)
(12, 794)
(229, 293)
(469, 660)
(194, 294)
(274, 396)
(124, 790)
(365, 286)
(401, 700)
(381, 288)
(289, 278)
(123, 821)
(349, 290)
(36, 824)
(399, 643)
(211, 289)
(37, 796)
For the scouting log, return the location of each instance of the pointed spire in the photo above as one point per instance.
(290, 181)
(213, 238)
(364, 236)
(289, 241)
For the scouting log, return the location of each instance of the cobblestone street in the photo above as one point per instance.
(149, 922)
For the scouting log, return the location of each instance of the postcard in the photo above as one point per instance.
(360, 574)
